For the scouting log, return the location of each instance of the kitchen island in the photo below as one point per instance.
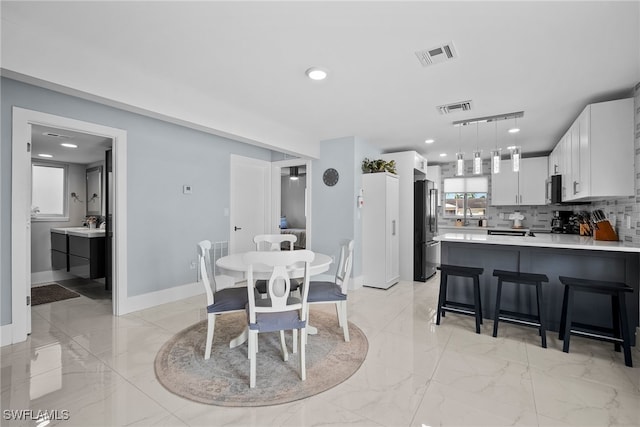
(551, 254)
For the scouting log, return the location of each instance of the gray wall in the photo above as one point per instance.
(335, 215)
(163, 224)
(292, 201)
(40, 230)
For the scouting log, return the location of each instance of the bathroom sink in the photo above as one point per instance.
(80, 231)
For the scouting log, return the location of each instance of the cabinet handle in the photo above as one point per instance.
(555, 169)
(521, 199)
(546, 191)
(575, 187)
(393, 227)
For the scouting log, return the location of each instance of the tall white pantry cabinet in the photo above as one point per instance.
(380, 231)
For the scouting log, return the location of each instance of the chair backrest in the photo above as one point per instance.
(206, 273)
(279, 283)
(343, 273)
(273, 242)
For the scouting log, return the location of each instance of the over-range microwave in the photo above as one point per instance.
(554, 190)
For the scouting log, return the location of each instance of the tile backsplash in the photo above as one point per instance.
(538, 217)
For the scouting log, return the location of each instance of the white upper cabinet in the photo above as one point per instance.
(599, 155)
(526, 188)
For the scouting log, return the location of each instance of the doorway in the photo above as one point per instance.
(292, 199)
(76, 197)
(23, 122)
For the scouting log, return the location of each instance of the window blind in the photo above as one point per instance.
(476, 184)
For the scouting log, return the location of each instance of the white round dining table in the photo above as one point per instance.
(234, 265)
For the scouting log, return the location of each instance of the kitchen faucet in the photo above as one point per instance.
(466, 221)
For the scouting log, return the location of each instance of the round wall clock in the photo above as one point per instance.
(330, 177)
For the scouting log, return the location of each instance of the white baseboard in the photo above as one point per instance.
(152, 299)
(50, 276)
(6, 334)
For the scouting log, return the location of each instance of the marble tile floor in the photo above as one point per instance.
(99, 369)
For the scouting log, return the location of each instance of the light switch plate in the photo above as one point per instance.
(187, 189)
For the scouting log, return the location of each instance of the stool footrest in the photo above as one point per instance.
(517, 315)
(459, 309)
(592, 327)
(520, 321)
(596, 336)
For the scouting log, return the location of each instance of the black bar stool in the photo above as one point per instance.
(620, 328)
(525, 319)
(444, 304)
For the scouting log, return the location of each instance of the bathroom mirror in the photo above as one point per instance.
(94, 191)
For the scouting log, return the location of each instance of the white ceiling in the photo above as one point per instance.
(238, 67)
(90, 148)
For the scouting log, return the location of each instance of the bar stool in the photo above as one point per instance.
(526, 319)
(620, 328)
(444, 304)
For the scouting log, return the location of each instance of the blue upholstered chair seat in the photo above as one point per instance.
(325, 291)
(271, 322)
(228, 300)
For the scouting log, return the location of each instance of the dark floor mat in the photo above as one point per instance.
(50, 293)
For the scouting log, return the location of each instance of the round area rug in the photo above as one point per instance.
(224, 379)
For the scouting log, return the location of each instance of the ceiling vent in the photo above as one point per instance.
(55, 135)
(452, 108)
(437, 54)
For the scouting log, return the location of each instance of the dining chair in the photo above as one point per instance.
(273, 242)
(336, 291)
(223, 301)
(280, 311)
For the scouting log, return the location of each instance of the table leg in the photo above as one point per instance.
(240, 339)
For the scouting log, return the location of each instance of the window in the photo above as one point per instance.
(49, 192)
(466, 194)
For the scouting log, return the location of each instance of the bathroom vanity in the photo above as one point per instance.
(79, 251)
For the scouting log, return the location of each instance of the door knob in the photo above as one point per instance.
(236, 228)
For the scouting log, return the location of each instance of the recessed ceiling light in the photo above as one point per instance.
(45, 155)
(514, 130)
(315, 73)
(443, 154)
(429, 141)
(69, 145)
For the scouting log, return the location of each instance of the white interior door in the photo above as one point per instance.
(250, 202)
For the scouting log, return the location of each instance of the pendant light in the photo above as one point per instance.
(293, 173)
(477, 155)
(515, 150)
(460, 155)
(515, 159)
(496, 155)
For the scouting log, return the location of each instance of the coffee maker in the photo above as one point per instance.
(560, 222)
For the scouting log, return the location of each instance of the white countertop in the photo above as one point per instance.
(80, 231)
(566, 241)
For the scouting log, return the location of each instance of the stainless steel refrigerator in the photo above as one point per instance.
(425, 226)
